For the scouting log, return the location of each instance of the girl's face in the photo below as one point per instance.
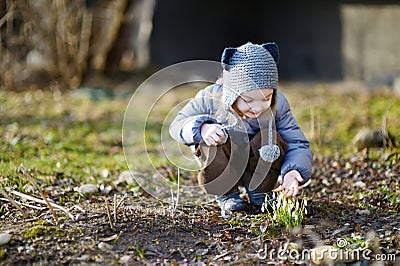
(253, 103)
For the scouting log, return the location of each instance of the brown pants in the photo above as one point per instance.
(227, 166)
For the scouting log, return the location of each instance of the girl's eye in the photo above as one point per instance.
(267, 99)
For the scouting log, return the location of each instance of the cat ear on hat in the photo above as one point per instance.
(273, 49)
(226, 56)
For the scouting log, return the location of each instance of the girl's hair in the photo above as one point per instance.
(220, 81)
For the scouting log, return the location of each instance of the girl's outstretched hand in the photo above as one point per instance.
(212, 134)
(290, 183)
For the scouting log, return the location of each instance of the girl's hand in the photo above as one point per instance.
(212, 134)
(290, 183)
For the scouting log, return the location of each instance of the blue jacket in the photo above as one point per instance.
(205, 108)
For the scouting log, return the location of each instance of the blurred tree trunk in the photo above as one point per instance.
(55, 42)
(122, 31)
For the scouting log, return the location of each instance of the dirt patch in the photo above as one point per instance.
(353, 200)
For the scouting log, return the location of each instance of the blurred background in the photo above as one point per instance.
(45, 43)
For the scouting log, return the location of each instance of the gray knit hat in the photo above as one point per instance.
(249, 67)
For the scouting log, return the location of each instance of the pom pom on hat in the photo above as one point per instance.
(269, 153)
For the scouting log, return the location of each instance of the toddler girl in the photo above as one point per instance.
(244, 131)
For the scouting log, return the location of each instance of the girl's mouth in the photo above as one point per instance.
(251, 114)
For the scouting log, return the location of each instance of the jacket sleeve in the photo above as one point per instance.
(298, 154)
(186, 126)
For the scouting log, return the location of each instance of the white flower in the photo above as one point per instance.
(305, 202)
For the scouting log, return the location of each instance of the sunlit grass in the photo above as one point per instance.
(55, 134)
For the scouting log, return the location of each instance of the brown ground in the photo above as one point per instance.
(345, 199)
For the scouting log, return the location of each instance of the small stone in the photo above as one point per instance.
(126, 260)
(104, 246)
(84, 257)
(105, 189)
(394, 223)
(294, 246)
(377, 225)
(360, 184)
(4, 238)
(88, 189)
(363, 212)
(104, 173)
(125, 176)
(80, 217)
(310, 226)
(387, 227)
(202, 252)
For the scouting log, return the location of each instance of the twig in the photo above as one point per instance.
(25, 204)
(175, 201)
(78, 207)
(222, 255)
(109, 214)
(13, 203)
(177, 194)
(115, 208)
(22, 195)
(30, 178)
(182, 254)
(8, 15)
(121, 200)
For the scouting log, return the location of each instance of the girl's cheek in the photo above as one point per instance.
(242, 106)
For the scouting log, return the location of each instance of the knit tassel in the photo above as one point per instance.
(269, 153)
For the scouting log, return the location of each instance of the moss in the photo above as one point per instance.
(40, 222)
(40, 228)
(2, 254)
(35, 231)
(273, 232)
